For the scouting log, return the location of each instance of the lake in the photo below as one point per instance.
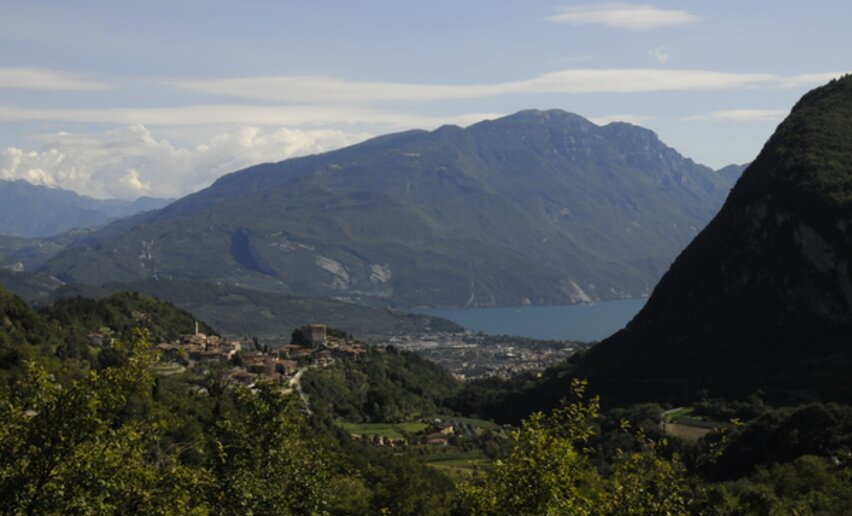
(566, 322)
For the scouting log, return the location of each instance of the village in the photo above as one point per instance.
(466, 355)
(247, 362)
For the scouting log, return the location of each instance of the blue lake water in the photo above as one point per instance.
(569, 322)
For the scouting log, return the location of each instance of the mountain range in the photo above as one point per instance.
(28, 210)
(762, 298)
(540, 207)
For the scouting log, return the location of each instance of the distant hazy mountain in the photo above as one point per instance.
(762, 298)
(541, 207)
(28, 254)
(27, 285)
(732, 173)
(39, 211)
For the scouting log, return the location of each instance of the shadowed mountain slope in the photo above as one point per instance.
(762, 298)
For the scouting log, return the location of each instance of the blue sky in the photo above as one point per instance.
(121, 99)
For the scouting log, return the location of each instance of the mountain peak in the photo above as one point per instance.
(544, 117)
(811, 151)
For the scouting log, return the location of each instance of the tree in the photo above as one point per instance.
(76, 448)
(96, 446)
(643, 482)
(545, 473)
(549, 472)
(262, 462)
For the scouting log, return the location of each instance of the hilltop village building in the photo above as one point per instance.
(312, 344)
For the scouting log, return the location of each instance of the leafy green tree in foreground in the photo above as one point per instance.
(262, 463)
(809, 485)
(95, 446)
(78, 449)
(549, 472)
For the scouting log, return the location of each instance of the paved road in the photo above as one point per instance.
(666, 415)
(296, 383)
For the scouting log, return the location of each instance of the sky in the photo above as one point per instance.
(161, 97)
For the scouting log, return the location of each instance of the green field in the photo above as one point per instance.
(411, 427)
(461, 467)
(680, 423)
(677, 414)
(481, 423)
(700, 422)
(395, 430)
(686, 432)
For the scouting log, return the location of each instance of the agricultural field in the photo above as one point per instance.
(392, 430)
(680, 423)
(462, 466)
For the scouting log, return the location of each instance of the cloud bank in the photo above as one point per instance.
(630, 119)
(328, 91)
(742, 115)
(622, 15)
(42, 79)
(241, 115)
(129, 162)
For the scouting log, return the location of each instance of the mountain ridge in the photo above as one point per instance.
(451, 217)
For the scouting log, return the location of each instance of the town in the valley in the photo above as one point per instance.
(472, 355)
(466, 355)
(249, 362)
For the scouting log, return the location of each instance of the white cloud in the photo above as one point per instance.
(660, 55)
(133, 185)
(41, 79)
(129, 161)
(630, 119)
(328, 101)
(240, 114)
(742, 115)
(307, 89)
(324, 91)
(639, 80)
(623, 15)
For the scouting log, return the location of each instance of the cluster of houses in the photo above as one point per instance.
(312, 344)
(316, 344)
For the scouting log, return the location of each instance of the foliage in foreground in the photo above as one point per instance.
(381, 386)
(113, 439)
(94, 447)
(549, 471)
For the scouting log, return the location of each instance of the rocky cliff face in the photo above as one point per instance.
(762, 298)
